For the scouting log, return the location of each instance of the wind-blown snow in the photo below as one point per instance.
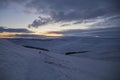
(102, 62)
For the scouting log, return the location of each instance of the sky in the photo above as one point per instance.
(41, 18)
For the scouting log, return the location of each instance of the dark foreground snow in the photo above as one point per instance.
(102, 62)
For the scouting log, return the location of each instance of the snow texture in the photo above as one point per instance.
(101, 62)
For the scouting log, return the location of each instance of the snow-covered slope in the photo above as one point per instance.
(72, 44)
(19, 63)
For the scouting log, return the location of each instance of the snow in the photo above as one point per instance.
(102, 62)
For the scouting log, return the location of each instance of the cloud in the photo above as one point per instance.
(5, 3)
(40, 21)
(73, 10)
(24, 33)
(16, 33)
(66, 10)
(113, 21)
(21, 30)
(32, 36)
(103, 32)
(64, 25)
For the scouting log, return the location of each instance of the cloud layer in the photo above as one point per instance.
(19, 30)
(102, 33)
(87, 13)
(73, 10)
(25, 33)
(5, 3)
(66, 10)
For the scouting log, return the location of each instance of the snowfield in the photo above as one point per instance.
(100, 62)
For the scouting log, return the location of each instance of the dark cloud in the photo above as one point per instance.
(25, 33)
(33, 36)
(22, 30)
(116, 4)
(103, 32)
(110, 22)
(41, 21)
(5, 3)
(53, 32)
(65, 25)
(75, 32)
(73, 10)
(67, 10)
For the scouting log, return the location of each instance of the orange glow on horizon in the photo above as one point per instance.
(14, 34)
(52, 34)
(6, 36)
